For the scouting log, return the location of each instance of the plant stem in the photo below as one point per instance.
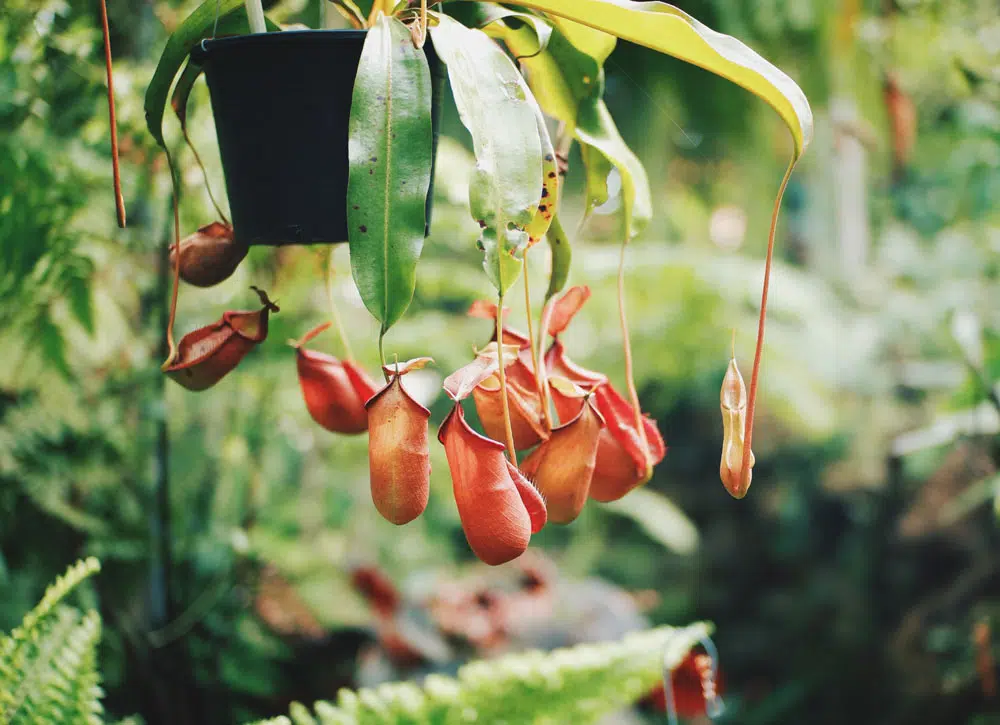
(626, 343)
(171, 346)
(503, 384)
(539, 385)
(335, 311)
(255, 14)
(116, 170)
(752, 398)
(540, 371)
(381, 353)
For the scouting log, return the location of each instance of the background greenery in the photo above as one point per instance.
(846, 586)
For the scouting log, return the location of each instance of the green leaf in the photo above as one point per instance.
(669, 30)
(390, 157)
(660, 518)
(562, 255)
(52, 344)
(495, 104)
(77, 289)
(197, 26)
(595, 128)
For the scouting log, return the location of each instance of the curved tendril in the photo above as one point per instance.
(626, 343)
(752, 398)
(531, 342)
(204, 173)
(511, 451)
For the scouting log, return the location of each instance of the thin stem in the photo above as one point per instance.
(531, 341)
(335, 311)
(255, 14)
(626, 343)
(423, 24)
(381, 353)
(503, 385)
(204, 173)
(752, 399)
(116, 170)
(171, 346)
(540, 371)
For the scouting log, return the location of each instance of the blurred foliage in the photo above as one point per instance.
(847, 586)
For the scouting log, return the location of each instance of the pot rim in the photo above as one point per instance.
(203, 49)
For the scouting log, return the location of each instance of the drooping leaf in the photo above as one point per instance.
(669, 30)
(182, 90)
(493, 102)
(198, 25)
(491, 17)
(660, 518)
(390, 156)
(562, 255)
(595, 128)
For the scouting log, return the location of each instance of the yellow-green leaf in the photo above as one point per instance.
(669, 30)
(598, 135)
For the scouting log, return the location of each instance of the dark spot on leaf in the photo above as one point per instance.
(545, 191)
(363, 228)
(374, 159)
(548, 157)
(542, 208)
(552, 174)
(482, 224)
(379, 98)
(371, 171)
(356, 207)
(480, 245)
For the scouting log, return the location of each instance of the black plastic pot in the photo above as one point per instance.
(282, 102)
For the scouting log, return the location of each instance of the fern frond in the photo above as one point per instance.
(579, 685)
(48, 664)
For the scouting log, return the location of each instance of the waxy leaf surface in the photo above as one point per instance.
(390, 155)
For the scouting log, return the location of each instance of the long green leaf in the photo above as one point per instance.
(669, 30)
(196, 27)
(494, 104)
(390, 157)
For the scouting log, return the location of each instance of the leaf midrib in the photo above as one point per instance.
(388, 172)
